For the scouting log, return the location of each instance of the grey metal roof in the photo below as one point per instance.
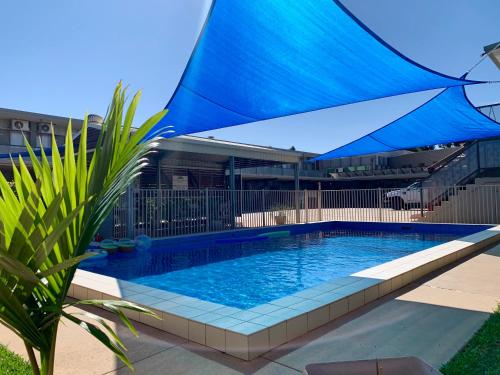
(38, 117)
(185, 146)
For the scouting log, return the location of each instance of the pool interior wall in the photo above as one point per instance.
(460, 229)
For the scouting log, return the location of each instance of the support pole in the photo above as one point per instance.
(297, 192)
(320, 203)
(379, 199)
(130, 211)
(232, 188)
(296, 176)
(263, 206)
(421, 200)
(158, 174)
(306, 205)
(207, 211)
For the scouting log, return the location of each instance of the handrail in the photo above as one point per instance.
(443, 162)
(452, 173)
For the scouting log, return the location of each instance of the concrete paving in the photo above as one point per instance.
(431, 319)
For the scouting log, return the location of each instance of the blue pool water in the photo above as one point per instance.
(247, 274)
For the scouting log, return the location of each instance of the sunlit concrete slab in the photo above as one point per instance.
(393, 329)
(451, 298)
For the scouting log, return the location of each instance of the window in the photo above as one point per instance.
(4, 137)
(46, 140)
(17, 139)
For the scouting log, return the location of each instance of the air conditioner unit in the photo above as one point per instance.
(44, 128)
(21, 125)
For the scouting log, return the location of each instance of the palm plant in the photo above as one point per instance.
(48, 218)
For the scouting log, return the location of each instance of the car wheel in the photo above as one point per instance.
(397, 203)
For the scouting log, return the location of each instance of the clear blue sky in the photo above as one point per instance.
(64, 57)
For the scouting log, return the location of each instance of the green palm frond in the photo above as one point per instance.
(51, 214)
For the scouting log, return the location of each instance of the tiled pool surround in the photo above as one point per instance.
(246, 334)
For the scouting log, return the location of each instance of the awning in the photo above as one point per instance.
(445, 118)
(257, 60)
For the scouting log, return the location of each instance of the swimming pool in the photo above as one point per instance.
(245, 273)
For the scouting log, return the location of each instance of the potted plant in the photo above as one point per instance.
(280, 216)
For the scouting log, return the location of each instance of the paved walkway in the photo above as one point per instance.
(432, 320)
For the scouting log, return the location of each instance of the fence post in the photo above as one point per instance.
(297, 206)
(207, 213)
(379, 194)
(306, 205)
(232, 187)
(320, 205)
(233, 208)
(263, 208)
(421, 201)
(130, 212)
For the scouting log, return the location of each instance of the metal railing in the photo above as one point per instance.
(381, 172)
(278, 172)
(163, 213)
(465, 164)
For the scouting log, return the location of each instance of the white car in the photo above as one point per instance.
(407, 197)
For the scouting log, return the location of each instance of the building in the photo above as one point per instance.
(184, 162)
(16, 125)
(190, 162)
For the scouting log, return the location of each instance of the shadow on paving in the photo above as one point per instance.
(394, 329)
(391, 329)
(157, 352)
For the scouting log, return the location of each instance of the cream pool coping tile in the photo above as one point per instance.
(208, 317)
(287, 301)
(185, 311)
(339, 308)
(277, 335)
(317, 318)
(347, 290)
(424, 257)
(163, 294)
(185, 300)
(225, 322)
(144, 299)
(307, 305)
(215, 338)
(197, 332)
(249, 333)
(247, 328)
(164, 305)
(327, 297)
(247, 315)
(264, 308)
(308, 293)
(285, 313)
(267, 320)
(227, 310)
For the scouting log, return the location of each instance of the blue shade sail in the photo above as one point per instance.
(447, 117)
(257, 60)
